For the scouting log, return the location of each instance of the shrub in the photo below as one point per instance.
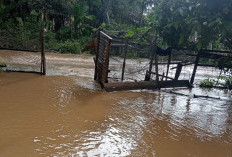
(207, 83)
(228, 83)
(66, 47)
(224, 82)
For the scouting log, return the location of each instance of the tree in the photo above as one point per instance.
(192, 23)
(81, 17)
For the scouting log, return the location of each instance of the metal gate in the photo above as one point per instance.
(102, 58)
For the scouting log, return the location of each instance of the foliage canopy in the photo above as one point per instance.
(193, 23)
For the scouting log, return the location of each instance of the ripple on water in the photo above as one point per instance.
(69, 116)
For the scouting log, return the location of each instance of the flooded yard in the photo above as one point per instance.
(65, 113)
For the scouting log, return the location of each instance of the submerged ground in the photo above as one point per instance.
(66, 114)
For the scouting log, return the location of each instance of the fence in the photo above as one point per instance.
(24, 37)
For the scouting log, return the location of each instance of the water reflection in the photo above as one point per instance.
(134, 127)
(203, 115)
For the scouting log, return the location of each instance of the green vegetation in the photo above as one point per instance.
(191, 24)
(207, 83)
(225, 64)
(222, 81)
(2, 65)
(66, 47)
(228, 83)
(69, 24)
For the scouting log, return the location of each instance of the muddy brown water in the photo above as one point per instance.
(66, 114)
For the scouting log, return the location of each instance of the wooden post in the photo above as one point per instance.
(169, 61)
(43, 60)
(162, 78)
(72, 27)
(148, 74)
(53, 24)
(96, 59)
(195, 68)
(153, 48)
(156, 64)
(124, 60)
(178, 71)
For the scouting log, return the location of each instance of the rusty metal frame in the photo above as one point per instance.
(102, 58)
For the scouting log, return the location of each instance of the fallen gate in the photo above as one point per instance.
(102, 70)
(102, 58)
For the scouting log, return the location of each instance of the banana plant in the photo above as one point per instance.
(81, 19)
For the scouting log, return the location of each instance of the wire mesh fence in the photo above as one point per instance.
(20, 44)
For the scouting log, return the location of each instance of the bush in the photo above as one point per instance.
(66, 47)
(64, 33)
(228, 83)
(21, 34)
(224, 82)
(207, 83)
(84, 40)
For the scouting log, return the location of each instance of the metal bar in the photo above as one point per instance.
(205, 50)
(43, 61)
(124, 60)
(107, 36)
(195, 68)
(169, 61)
(178, 71)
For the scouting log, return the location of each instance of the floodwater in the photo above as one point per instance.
(66, 114)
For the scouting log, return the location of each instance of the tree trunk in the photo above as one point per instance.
(105, 11)
(143, 7)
